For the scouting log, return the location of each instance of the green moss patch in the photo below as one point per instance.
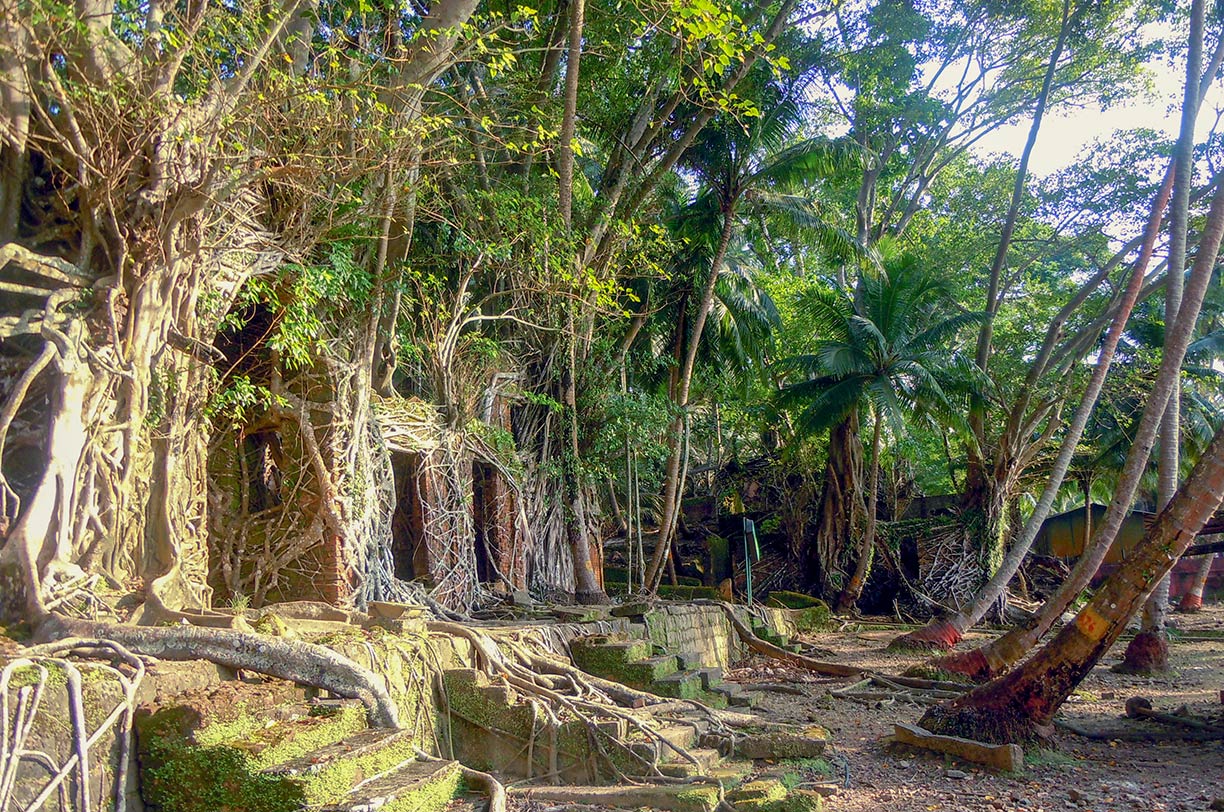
(687, 593)
(793, 600)
(772, 795)
(187, 766)
(697, 799)
(608, 656)
(433, 797)
(333, 781)
(813, 619)
(287, 740)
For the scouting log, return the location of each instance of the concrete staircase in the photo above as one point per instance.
(494, 728)
(634, 663)
(273, 747)
(197, 757)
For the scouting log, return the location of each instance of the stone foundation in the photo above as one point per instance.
(705, 630)
(200, 725)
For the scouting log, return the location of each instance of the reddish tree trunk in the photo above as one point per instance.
(1020, 705)
(997, 656)
(1192, 601)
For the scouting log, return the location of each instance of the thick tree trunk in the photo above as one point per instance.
(673, 488)
(842, 508)
(121, 491)
(854, 588)
(1020, 705)
(587, 588)
(565, 146)
(1000, 654)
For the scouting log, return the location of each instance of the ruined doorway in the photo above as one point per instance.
(408, 549)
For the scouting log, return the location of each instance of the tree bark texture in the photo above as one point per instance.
(1019, 705)
(1002, 653)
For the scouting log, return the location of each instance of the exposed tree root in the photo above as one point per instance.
(303, 663)
(983, 724)
(481, 780)
(119, 720)
(760, 646)
(583, 701)
(1146, 655)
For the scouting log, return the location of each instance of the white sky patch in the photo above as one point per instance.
(1064, 134)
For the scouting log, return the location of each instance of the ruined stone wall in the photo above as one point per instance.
(705, 630)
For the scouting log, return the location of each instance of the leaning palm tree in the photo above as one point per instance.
(741, 166)
(888, 354)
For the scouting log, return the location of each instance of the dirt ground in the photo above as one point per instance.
(1077, 773)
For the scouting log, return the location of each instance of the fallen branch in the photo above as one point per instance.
(760, 646)
(1135, 733)
(1138, 707)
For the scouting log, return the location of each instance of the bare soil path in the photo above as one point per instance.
(1078, 773)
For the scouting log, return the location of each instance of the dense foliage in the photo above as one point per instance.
(265, 263)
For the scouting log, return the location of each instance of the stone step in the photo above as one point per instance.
(771, 795)
(777, 745)
(710, 677)
(665, 797)
(683, 737)
(769, 635)
(731, 772)
(499, 694)
(735, 695)
(690, 660)
(193, 760)
(651, 669)
(707, 759)
(603, 655)
(326, 775)
(420, 786)
(491, 725)
(680, 685)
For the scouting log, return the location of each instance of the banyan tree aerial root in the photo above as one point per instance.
(303, 663)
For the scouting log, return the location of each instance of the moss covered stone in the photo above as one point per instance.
(179, 776)
(179, 752)
(687, 593)
(718, 552)
(793, 600)
(337, 773)
(771, 795)
(417, 788)
(609, 656)
(809, 743)
(213, 779)
(283, 741)
(813, 618)
(697, 799)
